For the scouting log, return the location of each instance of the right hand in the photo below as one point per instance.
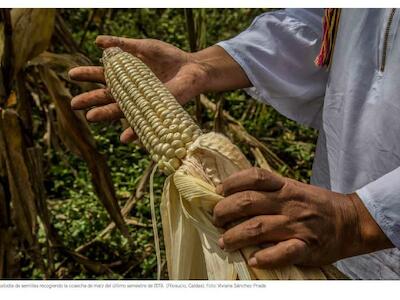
(182, 75)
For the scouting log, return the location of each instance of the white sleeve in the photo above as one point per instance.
(382, 199)
(277, 53)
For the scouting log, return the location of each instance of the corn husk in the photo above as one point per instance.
(190, 236)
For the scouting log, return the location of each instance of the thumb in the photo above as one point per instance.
(181, 91)
(126, 44)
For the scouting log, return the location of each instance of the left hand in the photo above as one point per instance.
(302, 224)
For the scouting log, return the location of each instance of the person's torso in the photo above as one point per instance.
(359, 137)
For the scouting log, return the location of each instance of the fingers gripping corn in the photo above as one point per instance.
(196, 163)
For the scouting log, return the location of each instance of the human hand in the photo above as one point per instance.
(181, 73)
(301, 224)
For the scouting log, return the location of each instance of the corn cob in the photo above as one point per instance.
(163, 126)
(196, 163)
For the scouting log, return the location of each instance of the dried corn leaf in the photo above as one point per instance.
(62, 63)
(6, 56)
(93, 266)
(76, 134)
(4, 231)
(11, 100)
(32, 30)
(22, 196)
(9, 258)
(185, 259)
(2, 37)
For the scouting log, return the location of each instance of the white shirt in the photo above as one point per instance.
(354, 105)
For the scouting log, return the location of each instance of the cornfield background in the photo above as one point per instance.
(74, 201)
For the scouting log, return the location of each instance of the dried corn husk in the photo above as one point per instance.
(187, 203)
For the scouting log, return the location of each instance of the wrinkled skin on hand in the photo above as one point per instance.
(293, 222)
(177, 69)
(185, 75)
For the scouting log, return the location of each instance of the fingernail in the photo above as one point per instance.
(252, 262)
(71, 74)
(221, 243)
(73, 104)
(219, 189)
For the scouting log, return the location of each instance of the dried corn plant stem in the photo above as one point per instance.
(196, 30)
(24, 107)
(24, 207)
(93, 266)
(89, 21)
(219, 120)
(63, 36)
(7, 60)
(243, 136)
(260, 159)
(9, 262)
(34, 163)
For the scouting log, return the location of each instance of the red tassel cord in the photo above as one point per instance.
(330, 27)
